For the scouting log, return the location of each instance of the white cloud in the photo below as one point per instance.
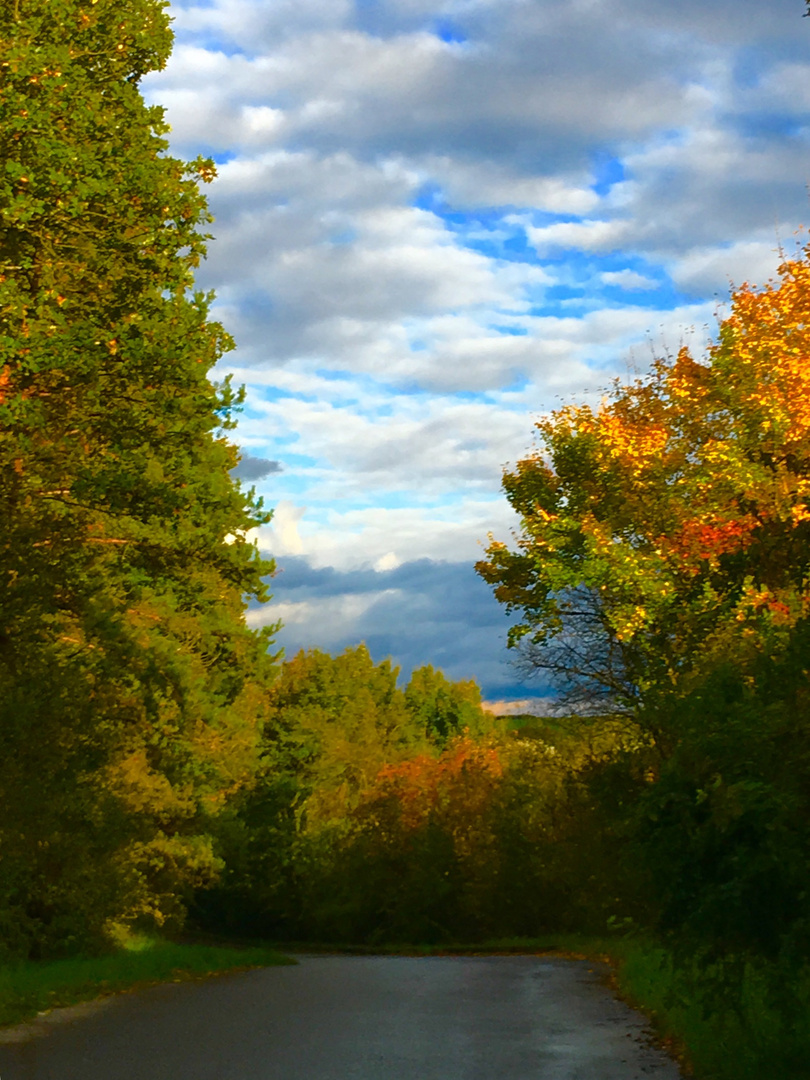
(628, 279)
(389, 561)
(785, 87)
(332, 615)
(282, 534)
(473, 183)
(354, 538)
(255, 25)
(716, 269)
(584, 235)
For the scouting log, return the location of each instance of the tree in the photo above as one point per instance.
(334, 722)
(130, 689)
(672, 521)
(330, 724)
(340, 736)
(444, 709)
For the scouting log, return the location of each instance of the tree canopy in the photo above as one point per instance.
(130, 688)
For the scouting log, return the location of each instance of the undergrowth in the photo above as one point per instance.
(736, 1018)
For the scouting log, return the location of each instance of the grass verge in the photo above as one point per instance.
(736, 1020)
(752, 1026)
(33, 987)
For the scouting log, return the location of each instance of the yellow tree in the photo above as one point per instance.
(671, 523)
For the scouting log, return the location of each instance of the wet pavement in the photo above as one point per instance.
(352, 1018)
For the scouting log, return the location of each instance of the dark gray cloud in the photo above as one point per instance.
(422, 612)
(255, 468)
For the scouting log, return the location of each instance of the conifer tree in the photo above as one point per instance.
(130, 687)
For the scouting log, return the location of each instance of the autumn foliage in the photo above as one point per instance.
(155, 757)
(679, 506)
(457, 785)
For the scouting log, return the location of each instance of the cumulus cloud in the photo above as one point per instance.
(472, 183)
(362, 537)
(538, 77)
(419, 443)
(584, 235)
(716, 269)
(282, 536)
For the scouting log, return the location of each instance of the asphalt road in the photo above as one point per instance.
(352, 1018)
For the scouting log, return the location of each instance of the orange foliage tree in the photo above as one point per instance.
(455, 787)
(421, 859)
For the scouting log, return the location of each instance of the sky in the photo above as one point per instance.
(436, 220)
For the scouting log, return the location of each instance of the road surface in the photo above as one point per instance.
(351, 1018)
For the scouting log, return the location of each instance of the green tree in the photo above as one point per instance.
(444, 709)
(336, 726)
(331, 724)
(335, 722)
(130, 689)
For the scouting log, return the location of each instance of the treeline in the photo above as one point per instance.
(384, 815)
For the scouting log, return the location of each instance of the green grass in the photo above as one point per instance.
(33, 987)
(752, 1027)
(757, 1028)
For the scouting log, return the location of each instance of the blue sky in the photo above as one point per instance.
(437, 220)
